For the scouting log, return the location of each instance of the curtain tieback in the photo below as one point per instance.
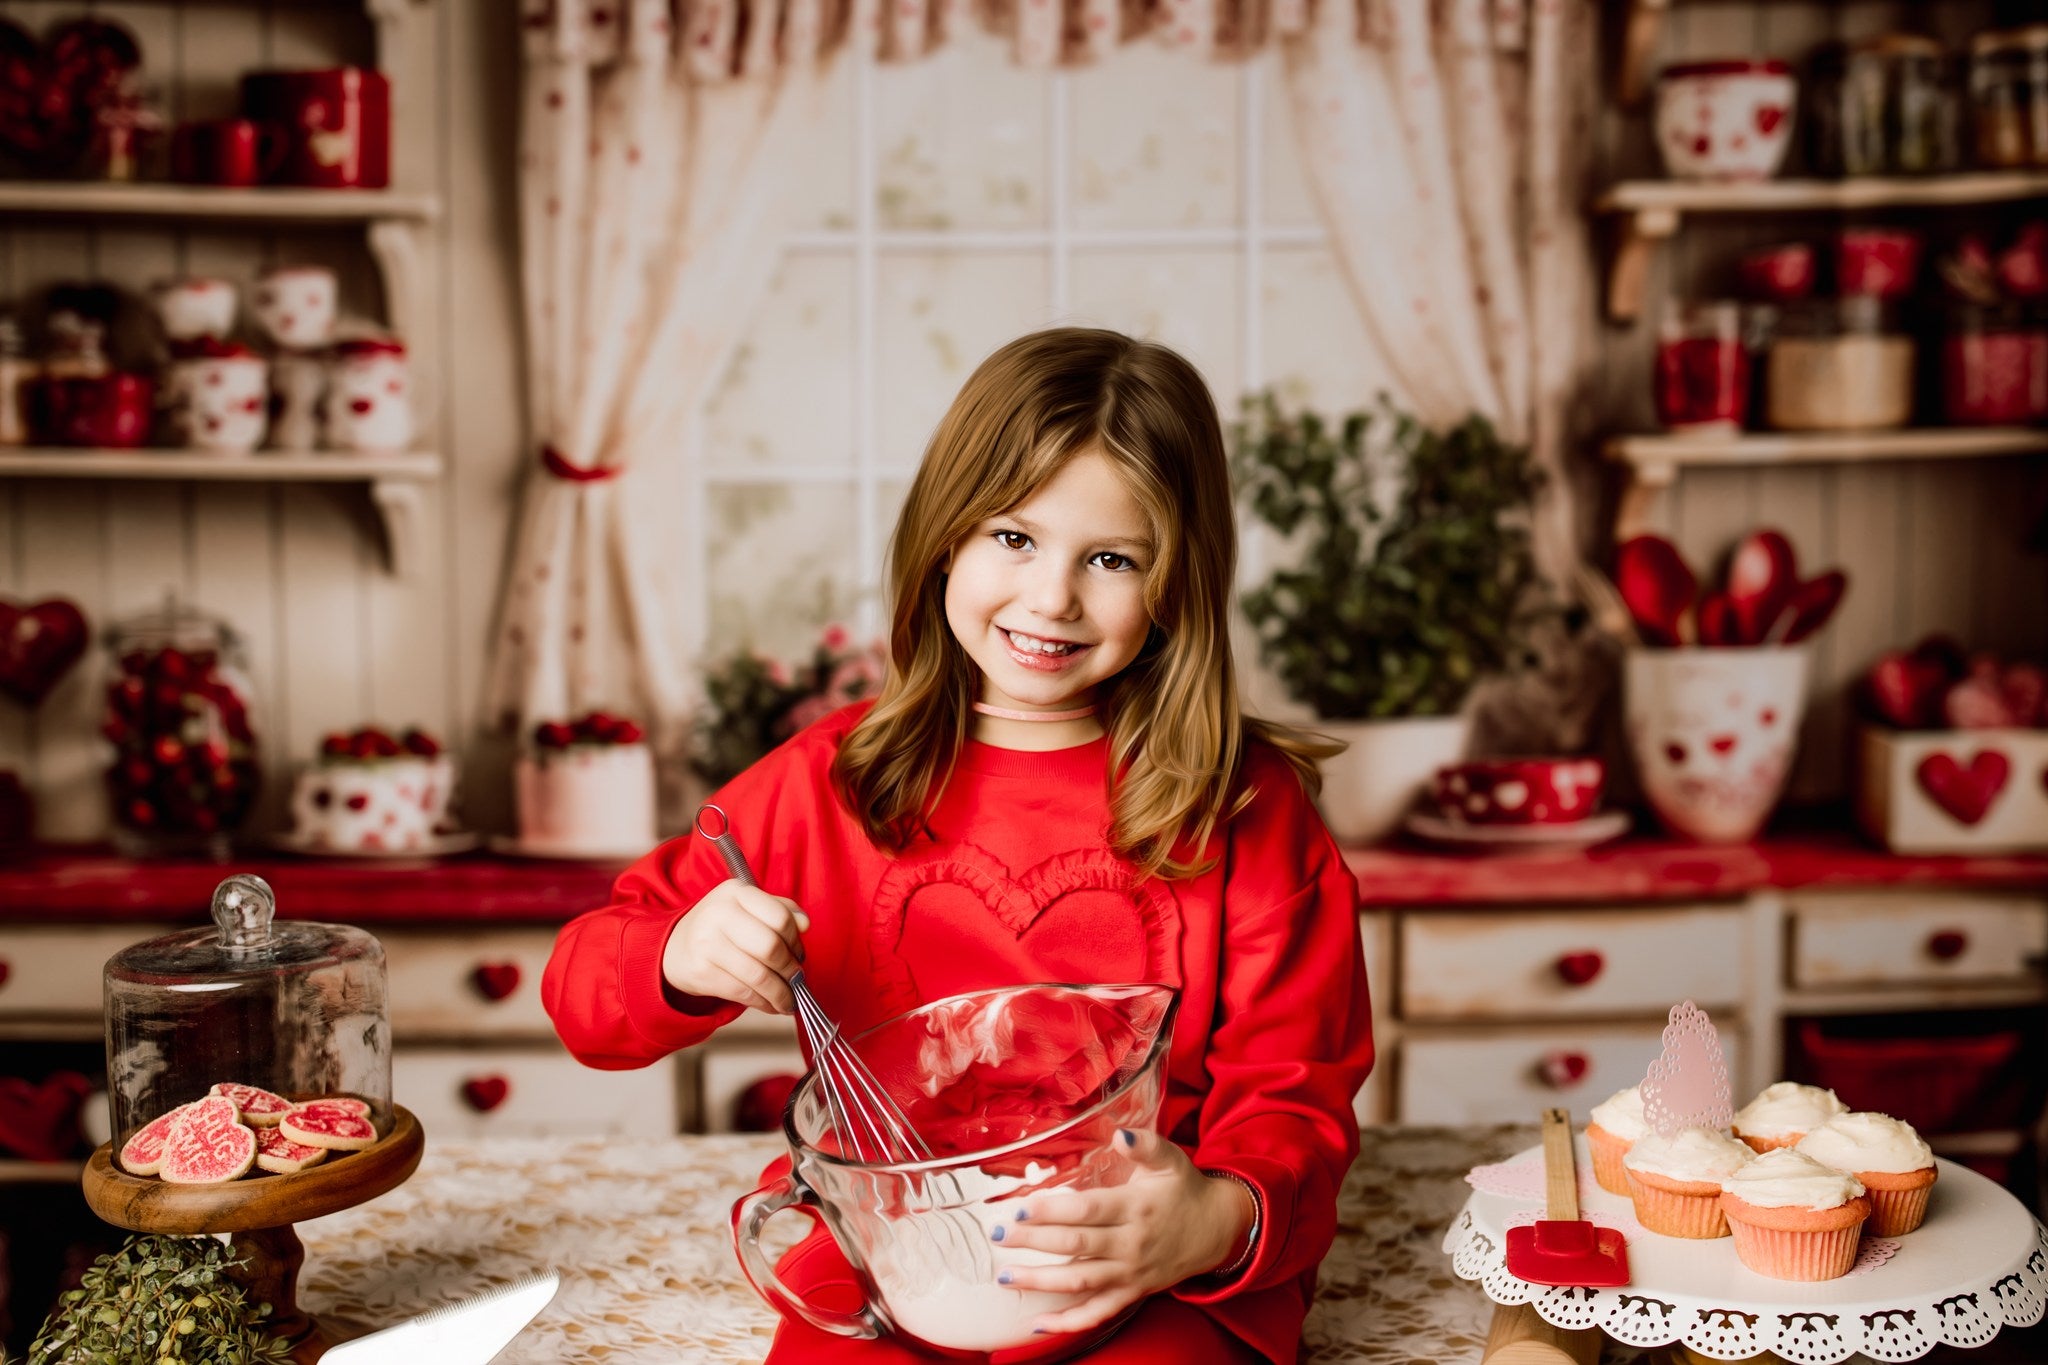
(558, 465)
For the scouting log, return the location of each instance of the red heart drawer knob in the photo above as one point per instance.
(1947, 944)
(485, 1093)
(1576, 969)
(495, 980)
(1562, 1070)
(5, 971)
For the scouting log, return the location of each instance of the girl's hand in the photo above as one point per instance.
(740, 944)
(1166, 1223)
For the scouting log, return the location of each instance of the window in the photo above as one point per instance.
(948, 206)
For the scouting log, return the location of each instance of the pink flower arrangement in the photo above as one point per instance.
(754, 702)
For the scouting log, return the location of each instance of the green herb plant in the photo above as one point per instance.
(1412, 569)
(159, 1299)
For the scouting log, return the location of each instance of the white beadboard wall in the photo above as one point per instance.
(334, 640)
(1927, 545)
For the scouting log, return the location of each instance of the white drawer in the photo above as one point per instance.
(725, 1070)
(481, 985)
(1464, 966)
(47, 970)
(1511, 1077)
(545, 1093)
(1910, 938)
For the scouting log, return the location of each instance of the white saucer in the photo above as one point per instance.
(441, 846)
(513, 847)
(1594, 829)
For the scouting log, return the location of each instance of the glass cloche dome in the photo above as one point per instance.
(294, 1008)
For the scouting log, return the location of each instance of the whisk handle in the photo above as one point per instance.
(712, 824)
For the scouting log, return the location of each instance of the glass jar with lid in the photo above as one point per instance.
(297, 1009)
(1884, 106)
(1840, 364)
(2009, 97)
(185, 765)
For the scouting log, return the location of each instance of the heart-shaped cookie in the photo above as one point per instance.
(1965, 793)
(38, 644)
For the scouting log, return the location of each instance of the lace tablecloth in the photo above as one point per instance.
(640, 1231)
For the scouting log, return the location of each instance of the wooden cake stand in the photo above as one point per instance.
(259, 1213)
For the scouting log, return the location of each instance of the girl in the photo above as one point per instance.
(1054, 784)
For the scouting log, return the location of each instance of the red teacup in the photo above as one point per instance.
(1880, 262)
(337, 125)
(226, 151)
(1520, 791)
(111, 410)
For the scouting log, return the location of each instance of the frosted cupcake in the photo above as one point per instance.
(1676, 1181)
(1895, 1167)
(1784, 1113)
(1794, 1218)
(1617, 1122)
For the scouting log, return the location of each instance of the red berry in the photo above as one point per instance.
(134, 661)
(418, 741)
(116, 730)
(126, 695)
(137, 771)
(335, 745)
(552, 734)
(383, 745)
(141, 814)
(214, 753)
(628, 733)
(204, 661)
(204, 820)
(173, 664)
(167, 751)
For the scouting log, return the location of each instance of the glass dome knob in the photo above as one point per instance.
(243, 906)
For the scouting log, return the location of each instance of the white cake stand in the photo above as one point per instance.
(1978, 1264)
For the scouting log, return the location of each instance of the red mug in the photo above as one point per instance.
(226, 151)
(109, 410)
(337, 125)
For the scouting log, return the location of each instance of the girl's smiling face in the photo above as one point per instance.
(1048, 598)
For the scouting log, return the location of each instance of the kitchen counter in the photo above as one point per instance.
(641, 1233)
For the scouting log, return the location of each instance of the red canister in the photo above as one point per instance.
(1994, 366)
(337, 125)
(105, 410)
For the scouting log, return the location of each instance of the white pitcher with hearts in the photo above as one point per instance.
(1713, 732)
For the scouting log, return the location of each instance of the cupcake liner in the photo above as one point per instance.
(1760, 1145)
(1678, 1208)
(1795, 1255)
(1608, 1150)
(1898, 1200)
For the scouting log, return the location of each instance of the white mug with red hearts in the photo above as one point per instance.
(1712, 732)
(1726, 119)
(369, 397)
(192, 309)
(296, 305)
(221, 397)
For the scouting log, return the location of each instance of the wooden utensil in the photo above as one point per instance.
(1520, 1336)
(1563, 1248)
(1658, 587)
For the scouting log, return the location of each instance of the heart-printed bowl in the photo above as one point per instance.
(1520, 791)
(1727, 119)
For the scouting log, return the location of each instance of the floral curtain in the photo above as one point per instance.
(654, 134)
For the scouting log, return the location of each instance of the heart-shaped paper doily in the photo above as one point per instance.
(38, 645)
(1687, 1085)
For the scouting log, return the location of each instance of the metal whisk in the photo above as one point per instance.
(872, 1128)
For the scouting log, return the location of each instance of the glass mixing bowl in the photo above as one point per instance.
(1016, 1091)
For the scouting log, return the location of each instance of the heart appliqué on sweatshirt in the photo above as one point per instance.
(962, 921)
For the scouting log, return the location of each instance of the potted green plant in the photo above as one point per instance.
(1406, 581)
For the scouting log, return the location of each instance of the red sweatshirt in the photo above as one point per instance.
(1017, 885)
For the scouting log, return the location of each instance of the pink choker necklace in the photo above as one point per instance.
(1005, 713)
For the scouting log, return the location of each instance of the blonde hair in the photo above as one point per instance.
(1177, 735)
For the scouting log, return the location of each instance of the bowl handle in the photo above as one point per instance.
(749, 1215)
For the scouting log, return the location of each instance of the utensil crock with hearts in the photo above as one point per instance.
(1016, 1090)
(1712, 733)
(1728, 119)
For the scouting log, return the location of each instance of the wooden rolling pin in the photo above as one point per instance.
(1520, 1336)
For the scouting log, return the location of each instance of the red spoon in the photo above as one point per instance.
(1720, 622)
(1812, 604)
(1658, 587)
(1763, 574)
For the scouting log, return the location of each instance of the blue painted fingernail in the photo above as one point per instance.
(1003, 1278)
(1023, 1215)
(1130, 1138)
(997, 1235)
(1040, 1332)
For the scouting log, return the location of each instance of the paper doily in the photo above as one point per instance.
(1978, 1265)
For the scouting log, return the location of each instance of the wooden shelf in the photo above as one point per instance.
(394, 481)
(1654, 461)
(204, 203)
(15, 1172)
(1652, 210)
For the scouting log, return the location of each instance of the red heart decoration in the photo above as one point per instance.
(1576, 969)
(1675, 752)
(38, 645)
(1965, 793)
(1721, 744)
(40, 1122)
(485, 1093)
(1768, 117)
(5, 971)
(1079, 911)
(1562, 1069)
(495, 980)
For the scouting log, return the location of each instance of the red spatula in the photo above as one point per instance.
(1563, 1248)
